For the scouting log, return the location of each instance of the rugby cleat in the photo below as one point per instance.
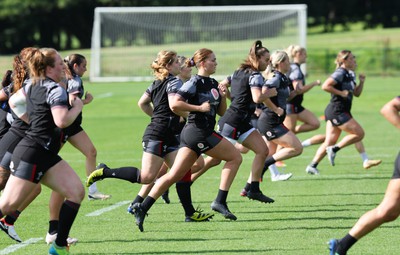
(198, 216)
(9, 230)
(223, 209)
(259, 196)
(96, 175)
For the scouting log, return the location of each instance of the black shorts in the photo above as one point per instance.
(271, 129)
(294, 109)
(396, 172)
(7, 146)
(72, 130)
(234, 133)
(198, 139)
(160, 148)
(30, 161)
(336, 116)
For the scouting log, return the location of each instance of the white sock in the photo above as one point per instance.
(93, 188)
(273, 170)
(364, 156)
(306, 143)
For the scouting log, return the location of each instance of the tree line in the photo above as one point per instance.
(67, 24)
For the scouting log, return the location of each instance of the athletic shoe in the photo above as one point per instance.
(280, 164)
(333, 244)
(223, 209)
(312, 170)
(281, 177)
(98, 196)
(243, 193)
(57, 250)
(96, 175)
(50, 238)
(139, 213)
(259, 196)
(331, 154)
(9, 230)
(165, 197)
(198, 215)
(371, 162)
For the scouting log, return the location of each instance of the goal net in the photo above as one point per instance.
(125, 40)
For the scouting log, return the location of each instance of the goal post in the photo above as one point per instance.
(125, 40)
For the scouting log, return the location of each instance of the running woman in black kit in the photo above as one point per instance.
(35, 158)
(203, 98)
(337, 114)
(246, 84)
(270, 123)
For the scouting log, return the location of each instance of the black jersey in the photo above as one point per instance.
(296, 74)
(75, 86)
(41, 98)
(344, 81)
(4, 125)
(197, 90)
(163, 119)
(281, 83)
(241, 98)
(18, 126)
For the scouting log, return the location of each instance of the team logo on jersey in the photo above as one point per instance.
(269, 133)
(215, 93)
(200, 145)
(335, 121)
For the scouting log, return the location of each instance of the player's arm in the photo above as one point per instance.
(391, 111)
(359, 88)
(145, 105)
(328, 86)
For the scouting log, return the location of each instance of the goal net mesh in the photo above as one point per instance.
(126, 40)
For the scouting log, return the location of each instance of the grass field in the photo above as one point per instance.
(309, 210)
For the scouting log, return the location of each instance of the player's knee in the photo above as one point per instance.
(389, 214)
(92, 153)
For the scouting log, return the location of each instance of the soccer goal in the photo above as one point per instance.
(125, 40)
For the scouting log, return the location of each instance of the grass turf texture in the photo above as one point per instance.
(309, 210)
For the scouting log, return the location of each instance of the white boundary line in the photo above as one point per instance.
(15, 247)
(107, 209)
(105, 95)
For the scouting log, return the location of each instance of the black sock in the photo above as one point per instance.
(129, 173)
(247, 187)
(336, 148)
(314, 164)
(185, 196)
(53, 227)
(255, 187)
(138, 199)
(68, 213)
(269, 161)
(148, 203)
(10, 219)
(345, 244)
(221, 197)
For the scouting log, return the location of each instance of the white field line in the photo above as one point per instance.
(107, 209)
(15, 247)
(105, 95)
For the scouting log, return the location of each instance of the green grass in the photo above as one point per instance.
(309, 210)
(377, 52)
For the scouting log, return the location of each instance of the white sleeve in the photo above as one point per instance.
(17, 103)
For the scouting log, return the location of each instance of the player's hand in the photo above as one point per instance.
(88, 97)
(205, 107)
(362, 77)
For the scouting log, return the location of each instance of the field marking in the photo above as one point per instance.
(109, 94)
(15, 247)
(107, 209)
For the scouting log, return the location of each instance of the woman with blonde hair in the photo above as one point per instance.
(271, 121)
(203, 98)
(338, 112)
